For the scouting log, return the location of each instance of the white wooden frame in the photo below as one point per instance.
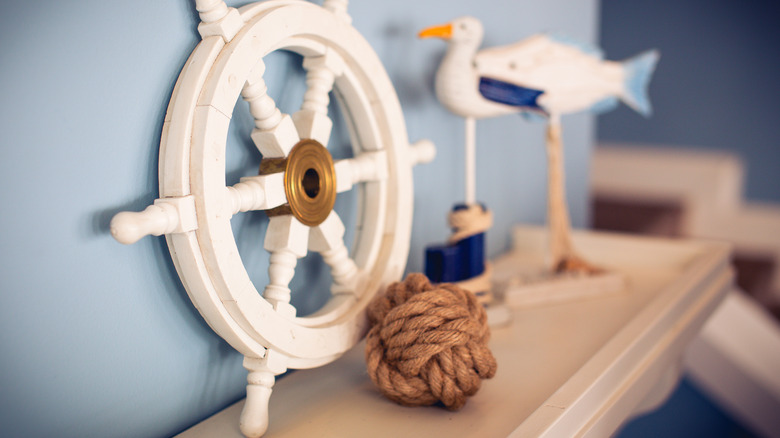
(707, 184)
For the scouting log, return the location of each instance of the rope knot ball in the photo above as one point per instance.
(428, 344)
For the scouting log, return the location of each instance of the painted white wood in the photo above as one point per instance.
(457, 78)
(707, 185)
(175, 154)
(287, 240)
(368, 166)
(165, 216)
(241, 291)
(211, 10)
(312, 119)
(535, 286)
(328, 239)
(260, 381)
(321, 75)
(217, 19)
(421, 152)
(524, 278)
(339, 9)
(195, 205)
(260, 192)
(567, 369)
(277, 141)
(275, 133)
(572, 78)
(470, 174)
(554, 78)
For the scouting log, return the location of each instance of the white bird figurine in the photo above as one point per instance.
(540, 76)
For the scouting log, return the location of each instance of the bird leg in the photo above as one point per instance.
(564, 257)
(470, 161)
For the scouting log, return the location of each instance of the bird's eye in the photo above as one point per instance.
(463, 26)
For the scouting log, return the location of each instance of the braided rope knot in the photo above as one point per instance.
(428, 344)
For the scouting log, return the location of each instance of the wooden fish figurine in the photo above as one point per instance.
(543, 74)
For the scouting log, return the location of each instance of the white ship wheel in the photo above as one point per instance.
(297, 185)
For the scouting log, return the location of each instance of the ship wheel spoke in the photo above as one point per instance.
(312, 119)
(368, 166)
(275, 133)
(260, 192)
(287, 241)
(327, 238)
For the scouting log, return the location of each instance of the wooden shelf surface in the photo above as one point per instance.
(576, 368)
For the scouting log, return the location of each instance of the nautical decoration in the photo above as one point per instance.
(462, 259)
(428, 344)
(540, 77)
(296, 187)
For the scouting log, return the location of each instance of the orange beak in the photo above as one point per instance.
(443, 32)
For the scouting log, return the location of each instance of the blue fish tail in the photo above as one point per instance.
(639, 70)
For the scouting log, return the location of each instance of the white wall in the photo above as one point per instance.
(100, 339)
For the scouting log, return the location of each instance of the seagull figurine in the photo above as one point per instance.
(540, 77)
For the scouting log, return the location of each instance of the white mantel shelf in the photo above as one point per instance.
(577, 368)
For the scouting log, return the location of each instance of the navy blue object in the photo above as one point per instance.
(456, 262)
(472, 255)
(509, 94)
(442, 263)
(687, 413)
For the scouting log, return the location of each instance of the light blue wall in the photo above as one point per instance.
(100, 339)
(716, 86)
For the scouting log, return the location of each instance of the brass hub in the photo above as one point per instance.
(309, 182)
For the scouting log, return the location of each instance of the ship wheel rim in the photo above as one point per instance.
(236, 311)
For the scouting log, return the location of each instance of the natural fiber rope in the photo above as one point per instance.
(466, 222)
(428, 344)
(469, 221)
